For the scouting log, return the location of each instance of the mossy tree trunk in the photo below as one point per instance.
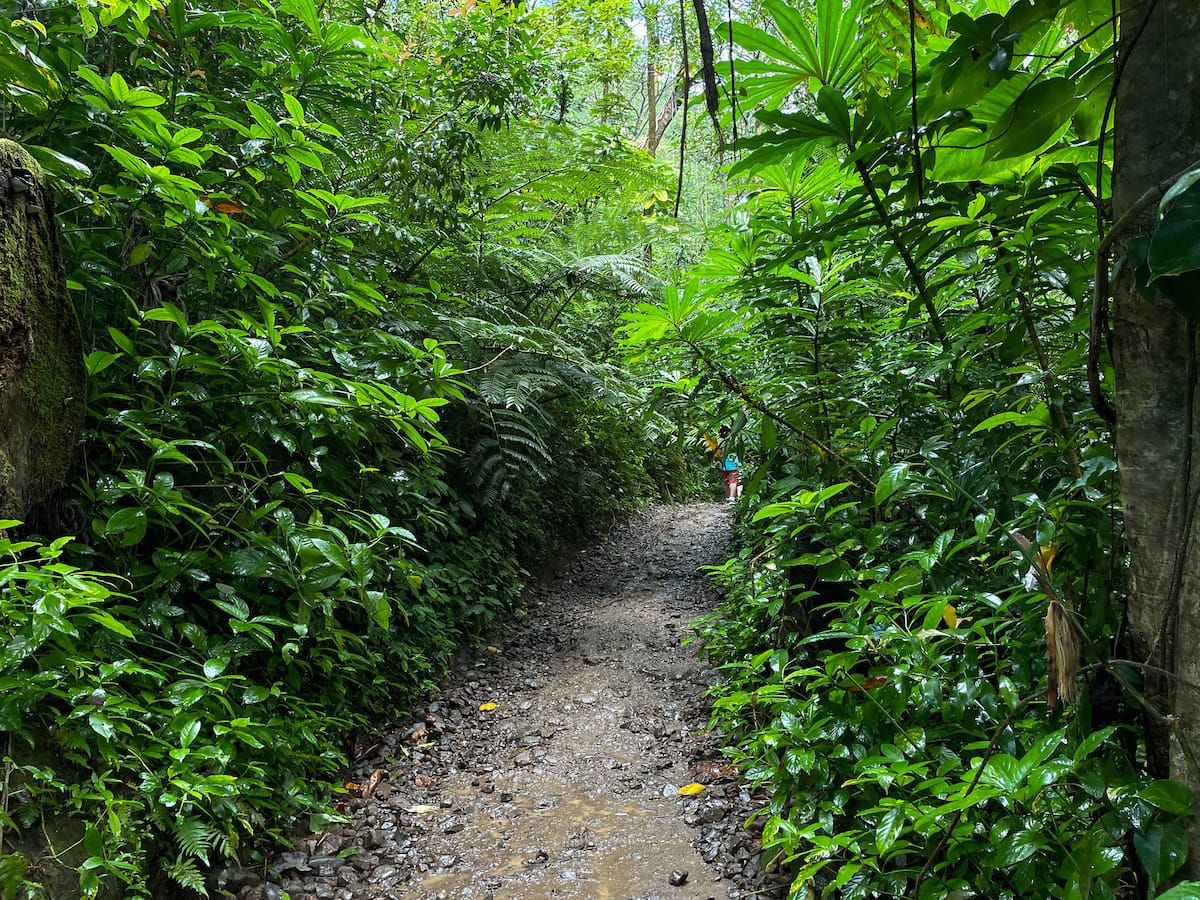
(1157, 363)
(41, 366)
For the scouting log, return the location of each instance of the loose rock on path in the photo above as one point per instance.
(550, 766)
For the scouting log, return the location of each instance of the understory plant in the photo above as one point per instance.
(322, 450)
(925, 662)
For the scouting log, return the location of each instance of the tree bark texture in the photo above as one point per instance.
(41, 368)
(1155, 357)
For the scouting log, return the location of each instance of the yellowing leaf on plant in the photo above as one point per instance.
(487, 707)
(868, 684)
(691, 790)
(950, 616)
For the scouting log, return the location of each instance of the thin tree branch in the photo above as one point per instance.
(916, 136)
(915, 272)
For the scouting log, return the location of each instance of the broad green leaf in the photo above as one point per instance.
(1092, 742)
(1005, 771)
(890, 826)
(1161, 848)
(58, 163)
(1175, 242)
(189, 730)
(831, 102)
(317, 398)
(1038, 419)
(129, 524)
(891, 480)
(1037, 118)
(1169, 796)
(1017, 847)
(139, 254)
(105, 620)
(102, 725)
(1188, 890)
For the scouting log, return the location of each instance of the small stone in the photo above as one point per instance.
(678, 878)
(447, 861)
(326, 865)
(293, 860)
(506, 796)
(235, 877)
(384, 875)
(374, 839)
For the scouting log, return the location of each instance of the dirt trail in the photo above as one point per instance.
(569, 786)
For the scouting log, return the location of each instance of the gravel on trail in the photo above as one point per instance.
(551, 764)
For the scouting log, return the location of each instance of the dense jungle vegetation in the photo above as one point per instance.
(382, 302)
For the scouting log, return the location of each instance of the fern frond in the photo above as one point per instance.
(194, 836)
(184, 871)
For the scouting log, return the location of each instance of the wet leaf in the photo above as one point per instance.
(421, 809)
(690, 790)
(487, 707)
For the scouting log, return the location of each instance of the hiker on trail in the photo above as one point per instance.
(730, 466)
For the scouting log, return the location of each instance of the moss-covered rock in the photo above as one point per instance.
(41, 366)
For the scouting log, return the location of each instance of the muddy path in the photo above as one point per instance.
(550, 765)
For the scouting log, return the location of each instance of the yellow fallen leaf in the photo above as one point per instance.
(492, 649)
(420, 809)
(690, 790)
(486, 707)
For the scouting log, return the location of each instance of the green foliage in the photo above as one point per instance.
(336, 403)
(894, 323)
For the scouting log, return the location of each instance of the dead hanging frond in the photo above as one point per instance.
(1063, 651)
(1064, 648)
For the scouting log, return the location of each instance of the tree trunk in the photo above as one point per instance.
(653, 135)
(41, 370)
(1155, 357)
